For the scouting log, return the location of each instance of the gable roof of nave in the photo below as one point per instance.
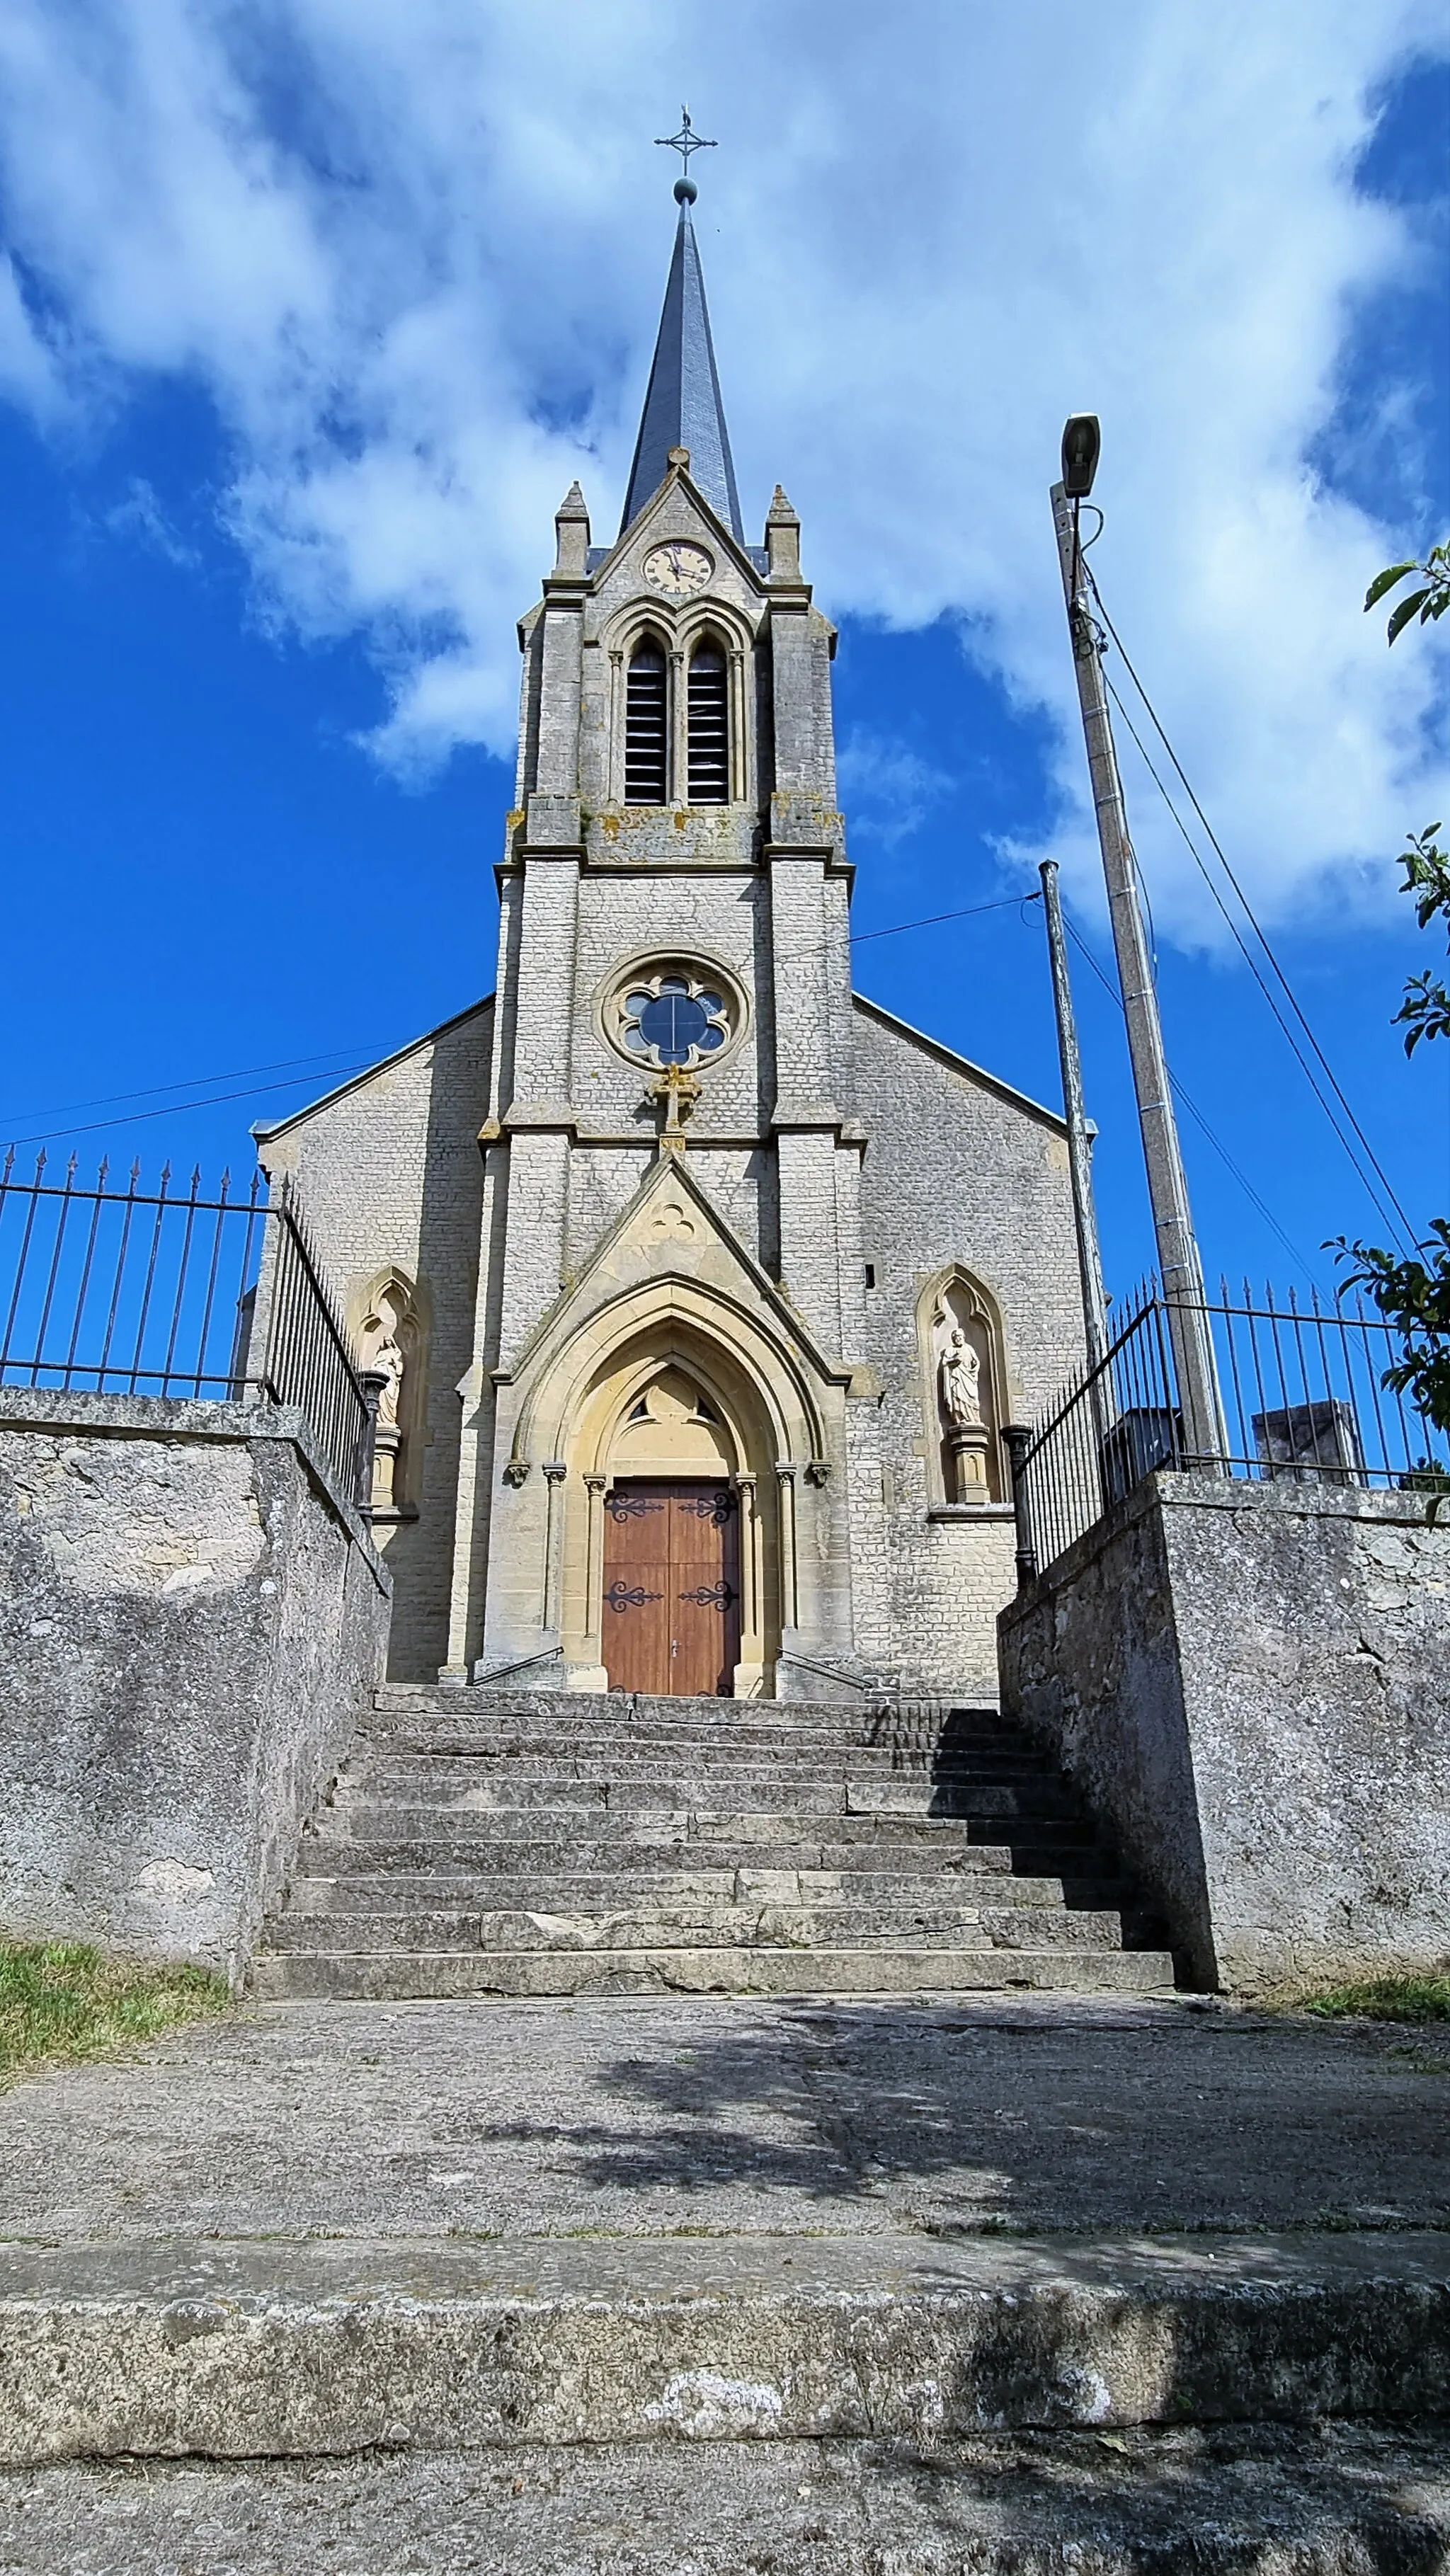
(899, 1029)
(265, 1131)
(959, 1064)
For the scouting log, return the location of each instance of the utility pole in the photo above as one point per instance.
(1178, 1262)
(1079, 1140)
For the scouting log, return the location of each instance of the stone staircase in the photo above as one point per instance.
(477, 1843)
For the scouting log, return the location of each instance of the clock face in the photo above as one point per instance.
(677, 569)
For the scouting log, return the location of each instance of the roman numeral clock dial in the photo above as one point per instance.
(677, 569)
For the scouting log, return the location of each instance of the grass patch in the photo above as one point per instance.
(1404, 1997)
(62, 2000)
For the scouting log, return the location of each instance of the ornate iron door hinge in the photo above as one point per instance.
(625, 1596)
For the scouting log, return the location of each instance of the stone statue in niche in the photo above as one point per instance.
(385, 1338)
(958, 1378)
(389, 1362)
(966, 1438)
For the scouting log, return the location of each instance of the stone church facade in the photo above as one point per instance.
(701, 1285)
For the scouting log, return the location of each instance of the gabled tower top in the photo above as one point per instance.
(682, 407)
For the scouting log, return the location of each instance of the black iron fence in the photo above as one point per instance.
(1303, 1396)
(129, 1291)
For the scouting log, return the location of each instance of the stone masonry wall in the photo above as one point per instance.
(1252, 1682)
(190, 1622)
(956, 1169)
(390, 1170)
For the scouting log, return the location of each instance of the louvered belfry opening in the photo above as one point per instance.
(646, 731)
(709, 728)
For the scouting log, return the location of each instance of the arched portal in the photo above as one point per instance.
(669, 1554)
(676, 1386)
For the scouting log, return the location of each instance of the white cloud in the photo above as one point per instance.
(415, 256)
(887, 786)
(28, 370)
(141, 517)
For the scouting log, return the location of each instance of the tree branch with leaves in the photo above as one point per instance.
(1427, 603)
(1413, 1292)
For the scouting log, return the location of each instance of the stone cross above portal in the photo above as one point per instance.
(677, 1092)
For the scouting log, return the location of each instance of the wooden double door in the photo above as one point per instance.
(671, 1615)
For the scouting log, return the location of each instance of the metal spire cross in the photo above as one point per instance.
(686, 141)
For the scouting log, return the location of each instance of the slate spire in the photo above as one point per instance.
(683, 407)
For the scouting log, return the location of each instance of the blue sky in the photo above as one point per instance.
(293, 392)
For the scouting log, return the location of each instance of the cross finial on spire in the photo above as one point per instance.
(686, 142)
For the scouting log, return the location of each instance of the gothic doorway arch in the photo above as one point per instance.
(670, 1492)
(673, 1384)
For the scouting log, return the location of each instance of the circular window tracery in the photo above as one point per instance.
(674, 1013)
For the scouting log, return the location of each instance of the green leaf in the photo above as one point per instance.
(1386, 581)
(1405, 611)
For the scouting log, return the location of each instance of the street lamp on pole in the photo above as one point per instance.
(1179, 1266)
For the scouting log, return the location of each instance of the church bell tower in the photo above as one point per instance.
(670, 1286)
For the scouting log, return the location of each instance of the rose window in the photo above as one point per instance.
(673, 1017)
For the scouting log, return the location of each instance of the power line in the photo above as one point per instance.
(1393, 1212)
(178, 1108)
(338, 1073)
(192, 1082)
(1191, 1105)
(1395, 1215)
(930, 920)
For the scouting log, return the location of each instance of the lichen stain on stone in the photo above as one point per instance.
(173, 1882)
(702, 2405)
(138, 1520)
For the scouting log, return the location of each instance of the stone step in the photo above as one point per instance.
(656, 1927)
(666, 1708)
(465, 1736)
(1329, 2499)
(503, 1807)
(768, 1842)
(381, 1891)
(773, 1720)
(925, 1851)
(447, 1772)
(325, 2347)
(916, 1968)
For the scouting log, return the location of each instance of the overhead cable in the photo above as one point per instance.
(1393, 1213)
(1195, 1113)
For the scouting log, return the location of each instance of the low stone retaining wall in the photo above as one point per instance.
(191, 1618)
(1251, 1683)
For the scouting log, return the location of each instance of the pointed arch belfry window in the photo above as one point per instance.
(646, 725)
(709, 725)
